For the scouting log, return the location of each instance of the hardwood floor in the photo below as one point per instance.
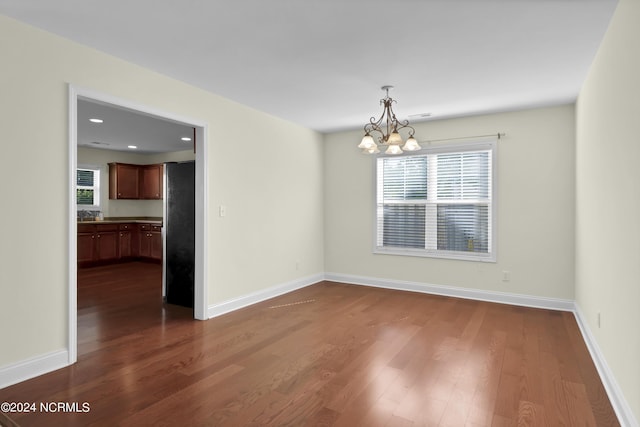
(327, 355)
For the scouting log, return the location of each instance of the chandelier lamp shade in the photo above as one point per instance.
(387, 131)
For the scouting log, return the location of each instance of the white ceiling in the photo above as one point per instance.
(320, 63)
(121, 128)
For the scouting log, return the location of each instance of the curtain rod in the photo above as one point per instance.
(498, 135)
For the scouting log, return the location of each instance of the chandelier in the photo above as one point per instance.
(388, 127)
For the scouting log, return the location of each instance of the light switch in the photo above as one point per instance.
(222, 210)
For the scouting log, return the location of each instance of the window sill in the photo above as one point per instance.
(437, 255)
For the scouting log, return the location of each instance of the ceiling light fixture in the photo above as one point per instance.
(185, 138)
(388, 126)
(96, 120)
(133, 147)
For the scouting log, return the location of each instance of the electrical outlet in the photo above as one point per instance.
(297, 265)
(598, 319)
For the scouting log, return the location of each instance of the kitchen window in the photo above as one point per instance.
(439, 203)
(88, 187)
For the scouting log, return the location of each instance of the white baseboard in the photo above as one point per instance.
(262, 295)
(619, 403)
(452, 291)
(31, 368)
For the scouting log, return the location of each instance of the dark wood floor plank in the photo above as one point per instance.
(329, 354)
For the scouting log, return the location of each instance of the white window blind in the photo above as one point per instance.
(437, 203)
(88, 187)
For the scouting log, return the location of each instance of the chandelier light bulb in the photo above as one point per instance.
(393, 149)
(411, 145)
(394, 139)
(367, 142)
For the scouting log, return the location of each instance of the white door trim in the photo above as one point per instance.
(200, 273)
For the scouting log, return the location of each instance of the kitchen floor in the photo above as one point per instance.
(107, 297)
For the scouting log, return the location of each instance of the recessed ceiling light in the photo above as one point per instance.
(96, 120)
(185, 138)
(133, 147)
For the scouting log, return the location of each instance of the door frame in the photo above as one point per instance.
(200, 309)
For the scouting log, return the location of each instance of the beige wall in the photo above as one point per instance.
(102, 158)
(608, 199)
(267, 172)
(535, 207)
(285, 194)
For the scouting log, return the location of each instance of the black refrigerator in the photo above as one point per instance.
(179, 232)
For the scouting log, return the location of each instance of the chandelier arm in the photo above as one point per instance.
(400, 124)
(375, 126)
(378, 122)
(370, 129)
(373, 123)
(405, 125)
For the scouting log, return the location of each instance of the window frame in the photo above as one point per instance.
(97, 170)
(478, 144)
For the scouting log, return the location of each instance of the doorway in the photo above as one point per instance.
(200, 279)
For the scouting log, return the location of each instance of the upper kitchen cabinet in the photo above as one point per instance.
(124, 181)
(128, 181)
(151, 187)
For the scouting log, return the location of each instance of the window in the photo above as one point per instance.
(439, 203)
(88, 187)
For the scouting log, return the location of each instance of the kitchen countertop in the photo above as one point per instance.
(124, 220)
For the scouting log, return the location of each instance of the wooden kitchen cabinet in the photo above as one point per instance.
(126, 234)
(150, 241)
(96, 243)
(86, 246)
(129, 181)
(107, 243)
(124, 181)
(156, 243)
(151, 183)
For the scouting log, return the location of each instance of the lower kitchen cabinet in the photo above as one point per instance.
(86, 246)
(150, 241)
(125, 240)
(116, 242)
(107, 244)
(97, 242)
